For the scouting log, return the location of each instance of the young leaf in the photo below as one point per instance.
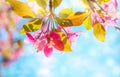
(56, 3)
(66, 42)
(63, 22)
(31, 0)
(31, 26)
(88, 23)
(64, 13)
(42, 12)
(19, 42)
(78, 18)
(42, 3)
(102, 1)
(67, 45)
(6, 52)
(99, 31)
(21, 9)
(85, 2)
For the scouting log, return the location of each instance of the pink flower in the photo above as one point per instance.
(111, 8)
(105, 13)
(51, 32)
(47, 42)
(72, 36)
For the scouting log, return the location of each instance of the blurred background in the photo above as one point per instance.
(90, 58)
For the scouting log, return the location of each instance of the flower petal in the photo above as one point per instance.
(54, 35)
(30, 37)
(41, 45)
(48, 51)
(58, 44)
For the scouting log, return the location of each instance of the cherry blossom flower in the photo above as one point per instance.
(102, 13)
(49, 29)
(112, 13)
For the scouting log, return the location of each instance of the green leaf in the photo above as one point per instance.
(63, 22)
(31, 26)
(78, 18)
(21, 9)
(88, 23)
(99, 31)
(56, 3)
(42, 3)
(64, 13)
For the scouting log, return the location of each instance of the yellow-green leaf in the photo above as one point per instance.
(99, 31)
(64, 13)
(78, 18)
(42, 12)
(6, 52)
(19, 42)
(88, 23)
(65, 40)
(85, 2)
(63, 22)
(31, 26)
(31, 0)
(42, 3)
(102, 1)
(67, 45)
(56, 3)
(21, 9)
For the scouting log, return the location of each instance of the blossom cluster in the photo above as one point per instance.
(54, 31)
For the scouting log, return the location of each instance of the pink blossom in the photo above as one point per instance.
(52, 34)
(72, 36)
(111, 9)
(46, 42)
(107, 14)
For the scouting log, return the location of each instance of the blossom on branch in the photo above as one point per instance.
(102, 13)
(49, 29)
(54, 31)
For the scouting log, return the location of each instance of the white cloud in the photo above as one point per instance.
(110, 62)
(44, 72)
(99, 74)
(63, 69)
(116, 71)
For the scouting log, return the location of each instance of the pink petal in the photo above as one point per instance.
(41, 45)
(48, 51)
(54, 35)
(58, 44)
(30, 37)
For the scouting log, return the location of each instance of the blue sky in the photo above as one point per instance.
(90, 58)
